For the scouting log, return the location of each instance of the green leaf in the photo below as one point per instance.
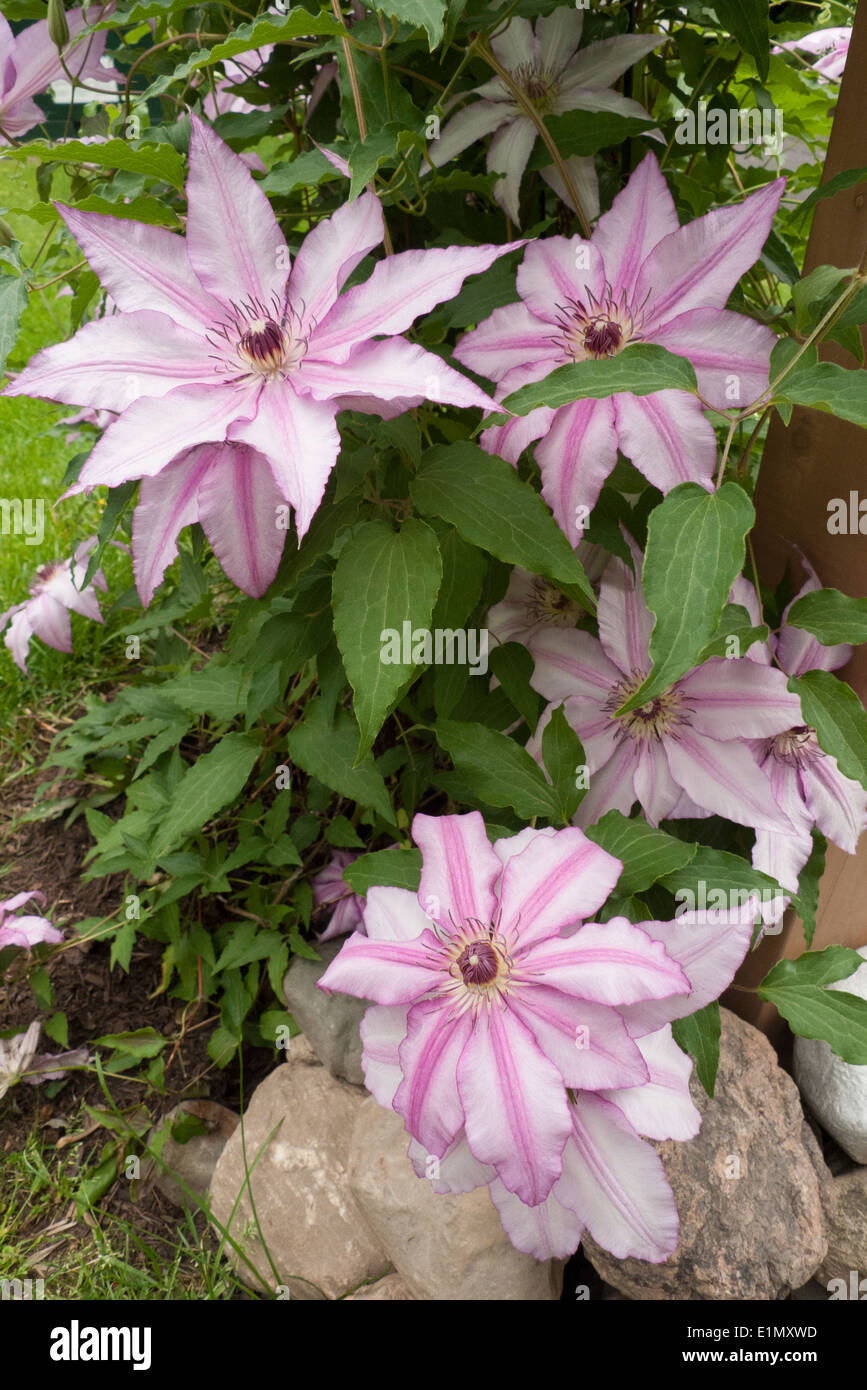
(714, 878)
(57, 1028)
(13, 302)
(154, 161)
(584, 132)
(734, 623)
(342, 834)
(832, 708)
(119, 501)
(513, 666)
(695, 551)
(698, 1035)
(422, 14)
(150, 210)
(484, 499)
(499, 771)
(832, 617)
(747, 21)
(809, 883)
(646, 854)
(641, 368)
(848, 179)
(838, 391)
(365, 156)
(464, 569)
(385, 586)
(328, 753)
(395, 868)
(205, 788)
(797, 987)
(219, 690)
(142, 1042)
(563, 756)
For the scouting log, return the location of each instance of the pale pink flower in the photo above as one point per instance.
(30, 63)
(28, 930)
(526, 1047)
(532, 602)
(54, 594)
(831, 44)
(19, 1060)
(640, 278)
(330, 890)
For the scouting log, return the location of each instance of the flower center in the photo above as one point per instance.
(546, 604)
(796, 746)
(264, 345)
(259, 341)
(660, 716)
(478, 963)
(479, 968)
(597, 328)
(539, 85)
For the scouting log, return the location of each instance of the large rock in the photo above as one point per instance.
(329, 1022)
(391, 1289)
(297, 1130)
(444, 1248)
(836, 1091)
(847, 1237)
(195, 1160)
(751, 1188)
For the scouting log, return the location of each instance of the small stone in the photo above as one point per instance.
(847, 1237)
(836, 1091)
(751, 1188)
(297, 1130)
(445, 1248)
(194, 1161)
(329, 1022)
(391, 1289)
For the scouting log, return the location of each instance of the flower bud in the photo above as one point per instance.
(7, 236)
(58, 29)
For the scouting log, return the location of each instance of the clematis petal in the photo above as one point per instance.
(731, 353)
(667, 437)
(554, 882)
(234, 242)
(837, 803)
(558, 35)
(27, 932)
(724, 779)
(547, 1231)
(391, 370)
(610, 963)
(167, 503)
(458, 1170)
(508, 153)
(510, 337)
(515, 1105)
(709, 946)
(515, 44)
(600, 64)
(238, 509)
(732, 699)
(399, 289)
(699, 265)
(783, 857)
(329, 254)
(582, 176)
(473, 122)
(50, 621)
(142, 267)
(588, 1043)
(660, 1108)
(300, 440)
(393, 914)
(654, 785)
(383, 1029)
(510, 440)
(388, 972)
(459, 869)
(616, 1184)
(640, 216)
(115, 360)
(611, 785)
(577, 454)
(555, 270)
(143, 440)
(569, 662)
(625, 621)
(18, 636)
(427, 1099)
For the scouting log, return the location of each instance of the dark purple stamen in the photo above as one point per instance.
(478, 963)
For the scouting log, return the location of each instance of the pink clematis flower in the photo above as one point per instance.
(532, 602)
(544, 64)
(19, 1060)
(29, 63)
(831, 44)
(55, 593)
(686, 752)
(330, 890)
(240, 351)
(640, 278)
(806, 781)
(525, 1047)
(25, 931)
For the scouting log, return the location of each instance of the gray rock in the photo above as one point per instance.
(444, 1248)
(847, 1237)
(194, 1161)
(751, 1188)
(836, 1091)
(391, 1289)
(329, 1022)
(297, 1130)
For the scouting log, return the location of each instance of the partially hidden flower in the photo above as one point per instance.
(686, 752)
(532, 602)
(331, 891)
(25, 931)
(30, 63)
(55, 593)
(543, 63)
(640, 278)
(249, 360)
(806, 781)
(830, 45)
(526, 1047)
(19, 1060)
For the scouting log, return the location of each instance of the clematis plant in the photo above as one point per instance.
(330, 891)
(28, 930)
(245, 353)
(526, 1047)
(687, 751)
(830, 48)
(640, 278)
(19, 1060)
(30, 62)
(55, 592)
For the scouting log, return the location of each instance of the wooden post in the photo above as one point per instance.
(804, 466)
